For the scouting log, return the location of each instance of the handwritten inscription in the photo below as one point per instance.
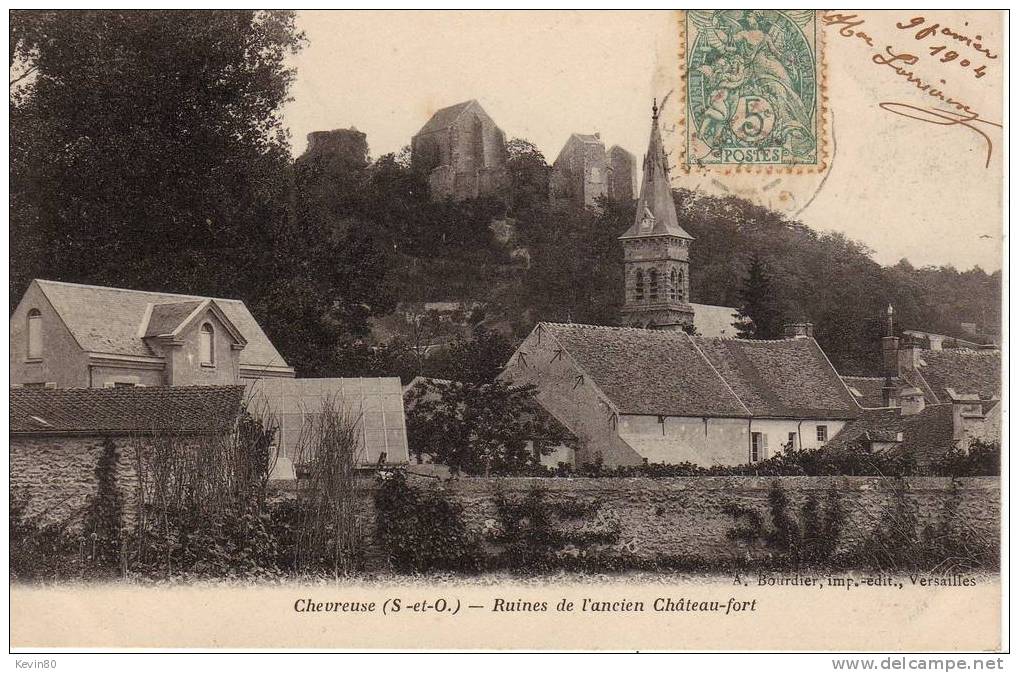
(956, 111)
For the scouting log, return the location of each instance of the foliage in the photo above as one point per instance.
(479, 428)
(202, 508)
(983, 459)
(421, 529)
(46, 551)
(759, 316)
(330, 493)
(530, 536)
(148, 148)
(812, 539)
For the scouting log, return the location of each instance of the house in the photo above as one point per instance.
(924, 432)
(939, 374)
(373, 406)
(58, 437)
(463, 153)
(65, 335)
(633, 395)
(583, 172)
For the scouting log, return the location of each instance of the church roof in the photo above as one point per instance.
(670, 373)
(655, 205)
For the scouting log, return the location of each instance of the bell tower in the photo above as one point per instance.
(656, 250)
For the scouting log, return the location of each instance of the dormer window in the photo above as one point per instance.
(206, 345)
(653, 284)
(639, 287)
(647, 222)
(34, 334)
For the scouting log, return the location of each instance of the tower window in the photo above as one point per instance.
(639, 287)
(653, 284)
(679, 286)
(672, 285)
(206, 345)
(34, 334)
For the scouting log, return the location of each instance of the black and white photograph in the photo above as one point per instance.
(432, 330)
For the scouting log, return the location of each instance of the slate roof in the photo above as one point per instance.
(165, 409)
(667, 373)
(110, 320)
(965, 371)
(165, 318)
(787, 378)
(656, 193)
(446, 117)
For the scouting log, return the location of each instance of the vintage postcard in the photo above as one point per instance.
(508, 330)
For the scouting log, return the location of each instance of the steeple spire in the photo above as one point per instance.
(656, 211)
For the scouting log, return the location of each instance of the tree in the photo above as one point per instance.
(758, 313)
(528, 175)
(148, 148)
(478, 428)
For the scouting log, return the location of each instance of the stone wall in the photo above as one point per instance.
(685, 516)
(58, 475)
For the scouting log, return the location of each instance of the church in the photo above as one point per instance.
(671, 385)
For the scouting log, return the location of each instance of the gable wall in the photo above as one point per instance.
(63, 362)
(578, 406)
(187, 369)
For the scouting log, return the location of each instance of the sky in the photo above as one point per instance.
(545, 75)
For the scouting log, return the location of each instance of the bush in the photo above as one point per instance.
(420, 529)
(531, 535)
(812, 540)
(47, 552)
(983, 459)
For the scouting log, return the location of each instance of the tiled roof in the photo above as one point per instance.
(108, 319)
(669, 373)
(926, 435)
(648, 371)
(965, 371)
(787, 378)
(166, 409)
(445, 117)
(868, 390)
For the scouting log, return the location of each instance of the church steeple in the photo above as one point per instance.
(656, 249)
(656, 211)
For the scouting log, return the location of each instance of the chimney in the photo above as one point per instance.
(912, 401)
(798, 330)
(890, 357)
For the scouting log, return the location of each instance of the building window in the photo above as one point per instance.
(640, 285)
(206, 345)
(822, 433)
(791, 444)
(34, 334)
(758, 446)
(653, 284)
(679, 286)
(672, 285)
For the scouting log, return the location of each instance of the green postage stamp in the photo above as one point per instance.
(754, 88)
